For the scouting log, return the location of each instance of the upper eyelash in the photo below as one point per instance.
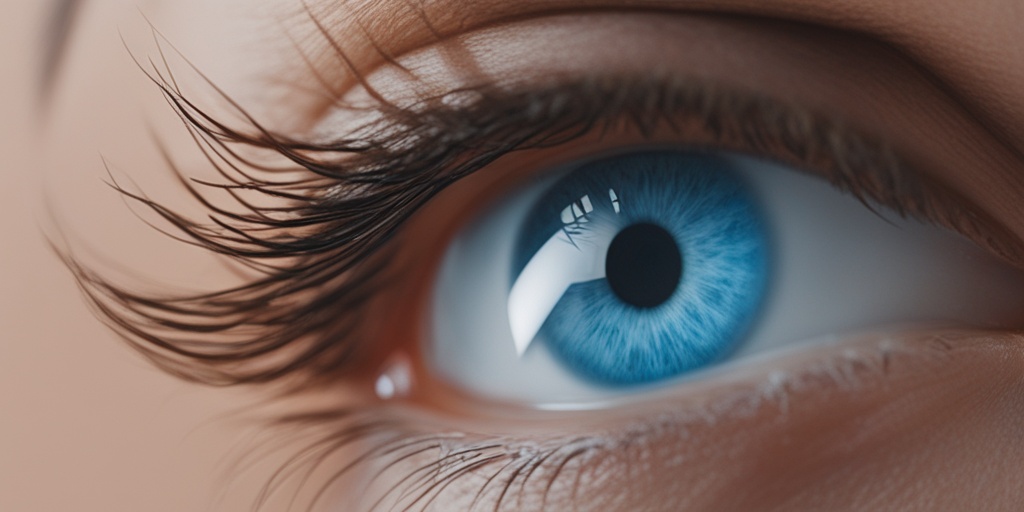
(326, 250)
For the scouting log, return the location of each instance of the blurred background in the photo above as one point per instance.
(85, 424)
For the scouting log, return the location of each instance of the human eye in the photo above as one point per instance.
(345, 229)
(636, 269)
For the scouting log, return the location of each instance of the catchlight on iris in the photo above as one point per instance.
(639, 267)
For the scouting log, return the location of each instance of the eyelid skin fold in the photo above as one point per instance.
(945, 52)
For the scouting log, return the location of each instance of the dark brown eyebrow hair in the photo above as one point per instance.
(61, 19)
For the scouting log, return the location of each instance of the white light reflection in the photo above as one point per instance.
(394, 381)
(570, 256)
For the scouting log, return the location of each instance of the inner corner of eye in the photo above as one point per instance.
(645, 267)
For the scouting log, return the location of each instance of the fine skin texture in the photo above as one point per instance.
(922, 419)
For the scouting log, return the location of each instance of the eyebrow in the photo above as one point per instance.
(62, 16)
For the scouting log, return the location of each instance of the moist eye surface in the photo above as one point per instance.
(639, 267)
(616, 275)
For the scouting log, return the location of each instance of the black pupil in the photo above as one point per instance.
(644, 265)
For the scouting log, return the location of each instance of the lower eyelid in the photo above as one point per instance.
(719, 444)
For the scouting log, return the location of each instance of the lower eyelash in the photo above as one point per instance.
(493, 472)
(381, 447)
(473, 472)
(432, 463)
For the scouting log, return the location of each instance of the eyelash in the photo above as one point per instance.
(328, 249)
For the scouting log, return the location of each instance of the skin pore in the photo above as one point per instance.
(918, 420)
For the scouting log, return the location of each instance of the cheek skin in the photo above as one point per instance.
(932, 429)
(927, 422)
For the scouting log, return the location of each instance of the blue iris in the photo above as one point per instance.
(685, 254)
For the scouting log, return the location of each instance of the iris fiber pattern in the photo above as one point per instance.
(721, 234)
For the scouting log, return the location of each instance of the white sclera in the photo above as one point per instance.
(836, 268)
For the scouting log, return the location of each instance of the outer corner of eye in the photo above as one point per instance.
(618, 274)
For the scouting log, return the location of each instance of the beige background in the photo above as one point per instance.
(85, 424)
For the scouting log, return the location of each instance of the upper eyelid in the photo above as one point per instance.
(945, 117)
(419, 29)
(370, 46)
(855, 161)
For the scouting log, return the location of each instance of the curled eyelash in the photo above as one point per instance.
(314, 221)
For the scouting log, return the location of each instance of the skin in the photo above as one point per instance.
(923, 420)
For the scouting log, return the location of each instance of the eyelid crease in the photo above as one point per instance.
(318, 260)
